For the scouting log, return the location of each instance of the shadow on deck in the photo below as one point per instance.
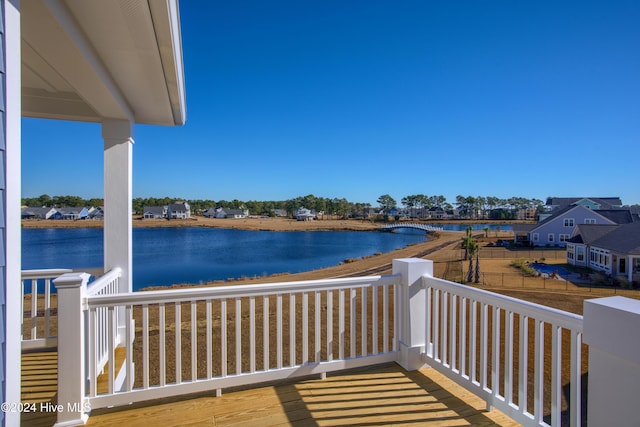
(376, 395)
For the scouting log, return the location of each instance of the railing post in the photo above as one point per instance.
(612, 331)
(412, 310)
(71, 288)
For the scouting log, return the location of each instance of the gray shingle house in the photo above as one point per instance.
(558, 228)
(612, 249)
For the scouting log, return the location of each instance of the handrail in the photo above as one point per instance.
(237, 291)
(552, 315)
(44, 273)
(98, 285)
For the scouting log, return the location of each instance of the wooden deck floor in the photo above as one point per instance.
(375, 396)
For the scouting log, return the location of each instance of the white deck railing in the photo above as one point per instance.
(38, 329)
(500, 348)
(237, 335)
(101, 341)
(508, 352)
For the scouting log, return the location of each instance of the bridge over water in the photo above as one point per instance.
(424, 227)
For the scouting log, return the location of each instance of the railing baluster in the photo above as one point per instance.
(305, 328)
(93, 362)
(385, 318)
(374, 320)
(523, 365)
(194, 342)
(538, 410)
(265, 332)
(352, 322)
(209, 314)
(445, 328)
(129, 334)
(463, 337)
(178, 341)
(238, 336)
(223, 337)
(329, 325)
(252, 334)
(111, 333)
(292, 329)
(453, 331)
(34, 309)
(484, 345)
(317, 310)
(473, 350)
(364, 325)
(509, 340)
(145, 346)
(341, 315)
(575, 400)
(279, 331)
(556, 374)
(436, 325)
(495, 366)
(161, 343)
(47, 307)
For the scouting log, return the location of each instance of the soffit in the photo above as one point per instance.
(92, 60)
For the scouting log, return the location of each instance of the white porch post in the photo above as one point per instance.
(71, 289)
(413, 315)
(118, 148)
(612, 331)
(10, 150)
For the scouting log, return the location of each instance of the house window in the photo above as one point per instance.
(536, 237)
(569, 222)
(580, 253)
(563, 237)
(570, 251)
(550, 237)
(589, 220)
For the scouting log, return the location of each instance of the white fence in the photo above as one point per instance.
(498, 347)
(509, 352)
(38, 329)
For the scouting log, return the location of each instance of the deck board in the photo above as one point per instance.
(373, 396)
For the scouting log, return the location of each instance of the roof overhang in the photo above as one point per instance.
(91, 60)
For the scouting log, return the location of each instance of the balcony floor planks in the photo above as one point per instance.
(378, 395)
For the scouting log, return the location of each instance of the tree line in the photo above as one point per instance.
(471, 207)
(468, 206)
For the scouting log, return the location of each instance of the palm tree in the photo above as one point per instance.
(477, 273)
(472, 248)
(466, 241)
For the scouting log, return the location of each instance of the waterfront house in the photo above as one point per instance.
(594, 203)
(555, 230)
(96, 212)
(73, 214)
(304, 214)
(38, 213)
(155, 212)
(232, 213)
(612, 249)
(119, 63)
(180, 210)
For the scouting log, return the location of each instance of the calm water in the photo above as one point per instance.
(164, 256)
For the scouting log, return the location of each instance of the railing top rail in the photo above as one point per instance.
(559, 317)
(44, 273)
(97, 285)
(237, 291)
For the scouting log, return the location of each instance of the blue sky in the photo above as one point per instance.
(357, 99)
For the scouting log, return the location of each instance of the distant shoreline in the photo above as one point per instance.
(258, 224)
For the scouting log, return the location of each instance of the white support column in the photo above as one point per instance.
(118, 149)
(413, 312)
(71, 288)
(612, 331)
(12, 297)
